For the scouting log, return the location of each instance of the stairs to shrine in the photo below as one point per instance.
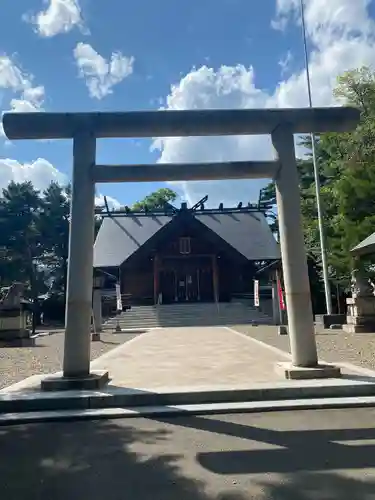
(197, 314)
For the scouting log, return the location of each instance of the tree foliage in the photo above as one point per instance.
(157, 199)
(54, 229)
(346, 164)
(34, 236)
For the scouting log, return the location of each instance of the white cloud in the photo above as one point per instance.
(24, 96)
(112, 202)
(28, 98)
(286, 62)
(228, 87)
(11, 76)
(60, 16)
(327, 21)
(40, 172)
(100, 74)
(344, 38)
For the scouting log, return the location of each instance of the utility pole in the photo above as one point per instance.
(327, 287)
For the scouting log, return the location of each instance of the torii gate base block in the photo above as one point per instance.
(96, 379)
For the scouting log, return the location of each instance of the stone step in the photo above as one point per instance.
(192, 307)
(193, 314)
(165, 324)
(25, 402)
(185, 317)
(182, 318)
(184, 314)
(144, 324)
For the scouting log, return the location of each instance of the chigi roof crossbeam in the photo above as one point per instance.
(169, 209)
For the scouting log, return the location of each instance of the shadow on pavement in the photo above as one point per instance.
(308, 463)
(90, 461)
(181, 458)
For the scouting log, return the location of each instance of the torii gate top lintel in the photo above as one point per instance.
(167, 123)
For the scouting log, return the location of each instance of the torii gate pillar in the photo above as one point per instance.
(294, 261)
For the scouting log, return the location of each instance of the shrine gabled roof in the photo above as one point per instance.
(246, 232)
(365, 247)
(119, 237)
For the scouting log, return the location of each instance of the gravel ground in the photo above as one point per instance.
(18, 363)
(333, 345)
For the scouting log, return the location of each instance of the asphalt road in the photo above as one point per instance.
(305, 455)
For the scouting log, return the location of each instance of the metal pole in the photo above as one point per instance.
(327, 287)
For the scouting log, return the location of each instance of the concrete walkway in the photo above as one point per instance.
(194, 356)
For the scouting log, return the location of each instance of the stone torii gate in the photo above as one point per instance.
(85, 128)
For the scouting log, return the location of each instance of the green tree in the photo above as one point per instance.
(346, 165)
(20, 240)
(54, 229)
(157, 199)
(267, 197)
(350, 163)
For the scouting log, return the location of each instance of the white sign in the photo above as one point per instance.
(118, 297)
(256, 293)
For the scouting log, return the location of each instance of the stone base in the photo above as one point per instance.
(16, 338)
(11, 334)
(349, 328)
(361, 320)
(22, 342)
(291, 372)
(95, 337)
(95, 380)
(326, 320)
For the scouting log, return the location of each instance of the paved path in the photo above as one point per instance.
(46, 357)
(190, 356)
(193, 357)
(305, 455)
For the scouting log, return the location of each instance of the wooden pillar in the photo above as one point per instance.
(156, 279)
(215, 278)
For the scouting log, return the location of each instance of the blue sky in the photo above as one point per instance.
(56, 55)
